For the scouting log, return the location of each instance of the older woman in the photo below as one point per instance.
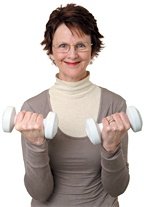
(70, 171)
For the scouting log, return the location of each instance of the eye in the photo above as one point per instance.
(63, 45)
(81, 45)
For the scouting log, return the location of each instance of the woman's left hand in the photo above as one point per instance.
(114, 127)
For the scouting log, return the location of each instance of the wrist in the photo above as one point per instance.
(111, 149)
(38, 141)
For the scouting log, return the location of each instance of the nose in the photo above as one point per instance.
(72, 51)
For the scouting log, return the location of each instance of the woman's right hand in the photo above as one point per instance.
(31, 126)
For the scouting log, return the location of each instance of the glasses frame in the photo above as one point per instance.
(56, 47)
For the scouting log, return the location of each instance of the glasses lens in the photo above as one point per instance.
(79, 47)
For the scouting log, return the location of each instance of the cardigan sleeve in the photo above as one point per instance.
(38, 176)
(115, 171)
(115, 168)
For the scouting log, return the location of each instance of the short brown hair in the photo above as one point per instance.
(74, 17)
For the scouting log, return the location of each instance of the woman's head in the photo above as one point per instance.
(77, 19)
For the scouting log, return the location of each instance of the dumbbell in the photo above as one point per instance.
(50, 123)
(93, 129)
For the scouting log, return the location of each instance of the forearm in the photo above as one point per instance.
(38, 176)
(115, 171)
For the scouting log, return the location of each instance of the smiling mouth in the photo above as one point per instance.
(72, 63)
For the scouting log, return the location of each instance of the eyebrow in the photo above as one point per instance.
(72, 44)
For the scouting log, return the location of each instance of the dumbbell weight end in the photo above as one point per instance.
(93, 130)
(8, 119)
(50, 125)
(50, 122)
(134, 118)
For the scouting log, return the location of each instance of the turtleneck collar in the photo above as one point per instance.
(66, 87)
(74, 102)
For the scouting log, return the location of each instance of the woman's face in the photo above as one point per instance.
(71, 53)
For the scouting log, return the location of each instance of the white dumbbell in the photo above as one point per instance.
(50, 122)
(93, 129)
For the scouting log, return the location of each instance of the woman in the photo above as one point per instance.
(69, 171)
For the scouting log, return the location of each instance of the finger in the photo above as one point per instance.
(109, 124)
(125, 120)
(40, 118)
(37, 121)
(105, 122)
(118, 121)
(18, 120)
(30, 120)
(19, 116)
(23, 120)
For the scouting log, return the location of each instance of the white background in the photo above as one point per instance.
(25, 70)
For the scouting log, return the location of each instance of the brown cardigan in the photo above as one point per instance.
(72, 172)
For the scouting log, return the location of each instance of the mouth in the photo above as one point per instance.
(72, 64)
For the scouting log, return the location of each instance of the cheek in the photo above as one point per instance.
(58, 57)
(86, 58)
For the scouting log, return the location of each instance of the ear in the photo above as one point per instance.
(92, 56)
(51, 57)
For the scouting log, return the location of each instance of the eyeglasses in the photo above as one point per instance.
(79, 47)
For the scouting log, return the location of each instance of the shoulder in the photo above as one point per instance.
(38, 103)
(111, 96)
(110, 103)
(39, 98)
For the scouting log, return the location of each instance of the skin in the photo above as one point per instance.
(113, 131)
(72, 67)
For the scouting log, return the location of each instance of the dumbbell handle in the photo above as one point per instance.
(50, 123)
(93, 129)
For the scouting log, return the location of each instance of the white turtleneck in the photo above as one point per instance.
(74, 102)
